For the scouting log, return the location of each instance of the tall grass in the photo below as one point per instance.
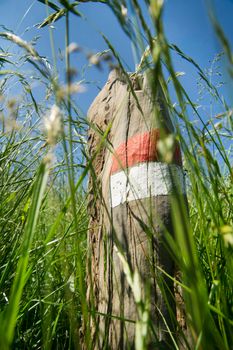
(44, 218)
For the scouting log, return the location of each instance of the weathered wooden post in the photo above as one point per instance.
(132, 210)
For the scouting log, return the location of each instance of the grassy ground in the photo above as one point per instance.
(43, 209)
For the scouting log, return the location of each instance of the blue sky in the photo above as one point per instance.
(186, 24)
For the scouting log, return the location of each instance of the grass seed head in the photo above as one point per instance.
(124, 11)
(73, 47)
(166, 148)
(53, 125)
(71, 89)
(94, 59)
(20, 42)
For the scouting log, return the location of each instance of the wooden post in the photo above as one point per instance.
(132, 211)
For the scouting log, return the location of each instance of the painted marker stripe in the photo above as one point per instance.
(140, 148)
(146, 180)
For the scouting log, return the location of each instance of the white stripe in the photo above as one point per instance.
(146, 180)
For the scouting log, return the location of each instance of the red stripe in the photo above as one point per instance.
(141, 148)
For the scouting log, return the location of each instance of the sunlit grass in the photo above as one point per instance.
(44, 197)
